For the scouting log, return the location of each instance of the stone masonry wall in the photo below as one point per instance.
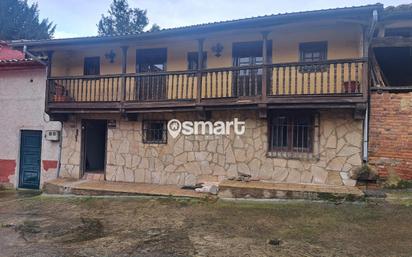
(71, 145)
(390, 133)
(190, 159)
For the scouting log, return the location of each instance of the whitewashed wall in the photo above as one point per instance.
(22, 99)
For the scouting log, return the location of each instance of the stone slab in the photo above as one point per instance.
(267, 190)
(87, 187)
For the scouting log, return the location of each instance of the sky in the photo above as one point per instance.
(76, 18)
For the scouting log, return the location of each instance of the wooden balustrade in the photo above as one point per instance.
(161, 86)
(329, 78)
(232, 82)
(336, 77)
(84, 89)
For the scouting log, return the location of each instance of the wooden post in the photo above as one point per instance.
(49, 66)
(199, 69)
(49, 62)
(365, 72)
(124, 70)
(265, 62)
(365, 80)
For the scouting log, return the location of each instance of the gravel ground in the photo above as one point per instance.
(38, 225)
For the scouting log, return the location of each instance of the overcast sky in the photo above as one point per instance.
(76, 18)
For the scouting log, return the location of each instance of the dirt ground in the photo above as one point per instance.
(38, 225)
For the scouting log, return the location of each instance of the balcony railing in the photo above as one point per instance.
(327, 78)
(334, 77)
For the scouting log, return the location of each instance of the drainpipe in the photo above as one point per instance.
(369, 37)
(366, 135)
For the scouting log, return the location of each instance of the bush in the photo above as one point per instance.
(393, 181)
(365, 173)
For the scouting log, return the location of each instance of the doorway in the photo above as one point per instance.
(151, 88)
(30, 158)
(94, 146)
(248, 81)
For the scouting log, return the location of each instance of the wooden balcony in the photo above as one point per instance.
(328, 83)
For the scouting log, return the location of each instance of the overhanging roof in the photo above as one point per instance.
(357, 12)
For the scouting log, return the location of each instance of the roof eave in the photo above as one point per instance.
(212, 27)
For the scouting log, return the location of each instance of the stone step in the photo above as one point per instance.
(96, 187)
(269, 190)
(94, 176)
(227, 189)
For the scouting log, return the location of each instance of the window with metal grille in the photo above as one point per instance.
(291, 135)
(154, 132)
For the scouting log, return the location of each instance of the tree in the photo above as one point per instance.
(122, 19)
(154, 28)
(18, 20)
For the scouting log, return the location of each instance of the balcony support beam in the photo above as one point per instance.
(262, 106)
(123, 77)
(48, 73)
(200, 44)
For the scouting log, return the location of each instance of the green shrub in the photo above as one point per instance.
(393, 181)
(365, 173)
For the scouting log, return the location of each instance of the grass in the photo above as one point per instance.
(400, 197)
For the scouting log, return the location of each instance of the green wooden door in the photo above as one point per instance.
(30, 159)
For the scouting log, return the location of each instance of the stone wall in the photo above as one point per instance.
(190, 159)
(390, 137)
(71, 145)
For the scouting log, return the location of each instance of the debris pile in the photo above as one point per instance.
(205, 187)
(243, 177)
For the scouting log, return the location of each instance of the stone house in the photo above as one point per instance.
(298, 81)
(390, 137)
(27, 159)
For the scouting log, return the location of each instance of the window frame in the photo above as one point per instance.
(145, 134)
(86, 68)
(247, 80)
(252, 50)
(194, 56)
(320, 47)
(291, 151)
(147, 57)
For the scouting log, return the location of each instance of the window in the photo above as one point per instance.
(151, 60)
(192, 60)
(250, 53)
(154, 132)
(291, 134)
(313, 51)
(151, 88)
(91, 66)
